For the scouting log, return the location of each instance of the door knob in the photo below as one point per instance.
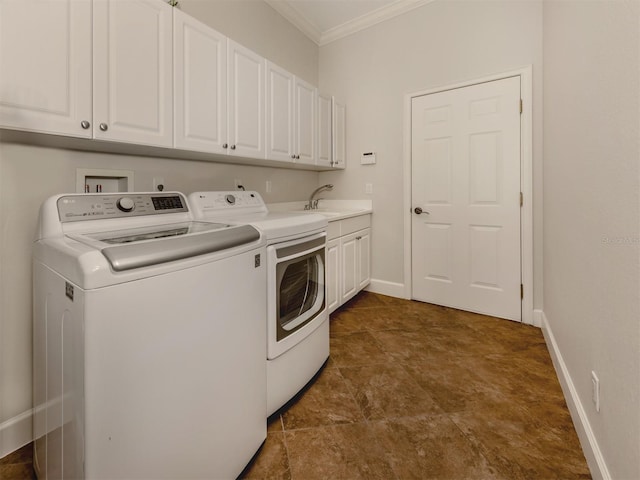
(418, 211)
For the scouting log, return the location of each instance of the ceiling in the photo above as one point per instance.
(325, 21)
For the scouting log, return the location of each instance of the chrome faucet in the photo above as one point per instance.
(313, 203)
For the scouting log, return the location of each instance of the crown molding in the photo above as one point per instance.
(293, 16)
(369, 20)
(288, 11)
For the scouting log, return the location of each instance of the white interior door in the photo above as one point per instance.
(465, 149)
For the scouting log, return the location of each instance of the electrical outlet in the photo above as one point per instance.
(158, 184)
(268, 186)
(368, 188)
(595, 390)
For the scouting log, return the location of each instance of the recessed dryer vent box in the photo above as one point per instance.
(368, 158)
(91, 180)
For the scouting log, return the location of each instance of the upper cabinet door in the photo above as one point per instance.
(245, 101)
(325, 146)
(133, 71)
(339, 135)
(200, 85)
(45, 66)
(279, 124)
(305, 121)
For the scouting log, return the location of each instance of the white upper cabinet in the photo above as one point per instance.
(246, 103)
(280, 129)
(291, 117)
(144, 73)
(45, 66)
(133, 71)
(325, 144)
(200, 85)
(305, 122)
(339, 135)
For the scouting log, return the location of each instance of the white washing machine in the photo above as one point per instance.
(297, 317)
(149, 340)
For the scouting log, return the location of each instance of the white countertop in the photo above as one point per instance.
(332, 209)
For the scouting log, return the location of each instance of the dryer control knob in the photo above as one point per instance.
(125, 204)
(231, 199)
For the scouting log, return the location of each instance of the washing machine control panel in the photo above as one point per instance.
(235, 201)
(75, 208)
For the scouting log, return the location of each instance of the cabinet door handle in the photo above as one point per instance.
(225, 145)
(85, 124)
(233, 147)
(104, 127)
(297, 157)
(358, 238)
(293, 156)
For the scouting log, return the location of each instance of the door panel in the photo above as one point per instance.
(133, 72)
(466, 178)
(45, 66)
(200, 85)
(246, 103)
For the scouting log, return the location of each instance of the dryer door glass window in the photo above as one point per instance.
(300, 290)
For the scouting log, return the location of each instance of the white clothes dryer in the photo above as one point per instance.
(297, 318)
(149, 340)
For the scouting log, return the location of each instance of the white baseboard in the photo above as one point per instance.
(387, 288)
(15, 433)
(537, 318)
(589, 443)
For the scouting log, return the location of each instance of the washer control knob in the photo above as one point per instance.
(125, 204)
(231, 200)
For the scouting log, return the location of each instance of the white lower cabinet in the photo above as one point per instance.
(348, 259)
(333, 274)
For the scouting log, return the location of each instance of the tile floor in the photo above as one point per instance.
(414, 390)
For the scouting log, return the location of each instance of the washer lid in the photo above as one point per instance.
(142, 247)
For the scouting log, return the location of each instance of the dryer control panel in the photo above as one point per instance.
(76, 208)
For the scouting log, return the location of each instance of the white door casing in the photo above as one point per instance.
(465, 148)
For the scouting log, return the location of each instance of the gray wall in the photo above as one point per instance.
(439, 44)
(592, 213)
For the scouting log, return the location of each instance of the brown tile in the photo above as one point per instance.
(513, 441)
(17, 471)
(365, 300)
(406, 346)
(359, 348)
(454, 386)
(348, 321)
(337, 452)
(22, 455)
(271, 462)
(327, 402)
(431, 447)
(388, 391)
(274, 423)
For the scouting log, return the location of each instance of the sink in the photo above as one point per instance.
(321, 211)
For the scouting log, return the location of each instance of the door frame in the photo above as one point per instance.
(526, 180)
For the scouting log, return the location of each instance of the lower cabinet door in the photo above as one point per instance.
(349, 269)
(333, 274)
